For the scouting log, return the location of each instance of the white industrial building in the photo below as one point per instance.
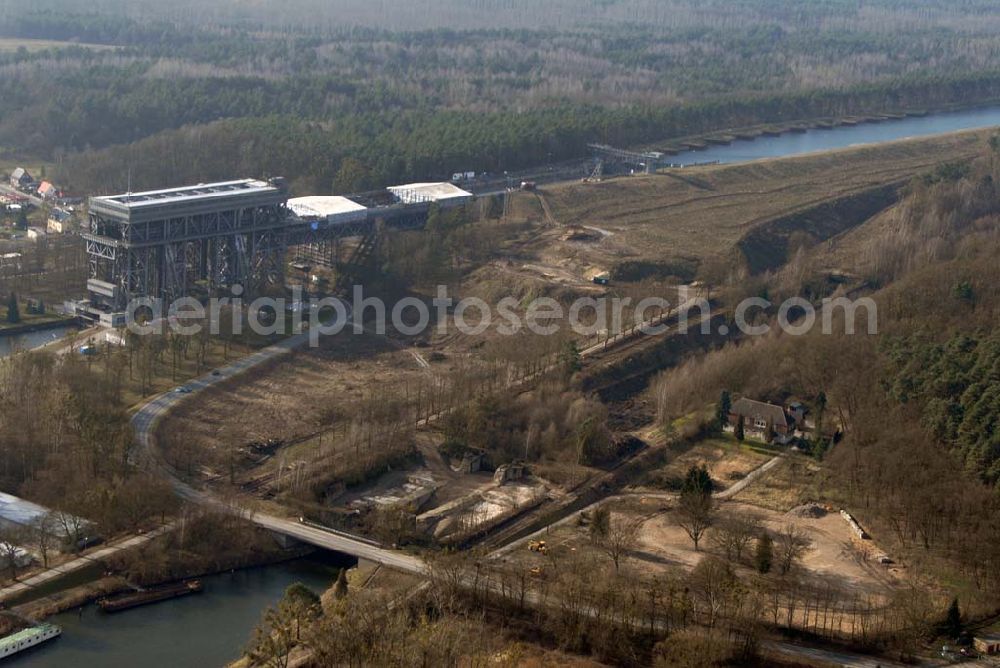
(334, 210)
(444, 194)
(18, 513)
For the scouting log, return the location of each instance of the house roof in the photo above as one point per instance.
(46, 187)
(19, 173)
(752, 408)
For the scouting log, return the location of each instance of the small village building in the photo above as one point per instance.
(20, 178)
(59, 221)
(987, 643)
(761, 421)
(10, 260)
(36, 233)
(47, 191)
(472, 462)
(509, 473)
(797, 413)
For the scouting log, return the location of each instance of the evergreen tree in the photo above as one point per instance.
(764, 555)
(695, 508)
(570, 359)
(352, 177)
(820, 413)
(953, 620)
(697, 481)
(738, 431)
(13, 314)
(725, 404)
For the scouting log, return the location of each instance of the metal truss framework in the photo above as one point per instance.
(649, 161)
(186, 245)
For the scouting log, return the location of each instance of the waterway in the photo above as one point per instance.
(211, 628)
(845, 136)
(18, 342)
(207, 629)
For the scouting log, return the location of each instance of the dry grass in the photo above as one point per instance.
(726, 461)
(700, 212)
(165, 378)
(663, 546)
(294, 398)
(791, 483)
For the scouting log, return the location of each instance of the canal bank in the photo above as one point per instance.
(185, 631)
(206, 630)
(35, 335)
(802, 141)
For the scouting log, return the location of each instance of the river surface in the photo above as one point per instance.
(29, 340)
(844, 136)
(207, 629)
(210, 629)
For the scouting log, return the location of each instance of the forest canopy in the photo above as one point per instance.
(423, 89)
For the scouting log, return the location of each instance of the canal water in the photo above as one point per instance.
(210, 629)
(207, 629)
(844, 136)
(11, 342)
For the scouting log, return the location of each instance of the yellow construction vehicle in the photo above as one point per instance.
(538, 546)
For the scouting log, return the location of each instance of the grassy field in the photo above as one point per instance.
(686, 216)
(794, 481)
(296, 399)
(727, 461)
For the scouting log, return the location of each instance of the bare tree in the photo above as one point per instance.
(714, 586)
(735, 532)
(10, 537)
(621, 536)
(790, 545)
(42, 531)
(695, 514)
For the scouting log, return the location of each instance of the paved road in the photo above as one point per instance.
(834, 658)
(724, 495)
(740, 485)
(145, 420)
(8, 190)
(144, 424)
(80, 563)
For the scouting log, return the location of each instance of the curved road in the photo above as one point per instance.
(145, 421)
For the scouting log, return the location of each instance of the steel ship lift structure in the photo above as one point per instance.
(168, 244)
